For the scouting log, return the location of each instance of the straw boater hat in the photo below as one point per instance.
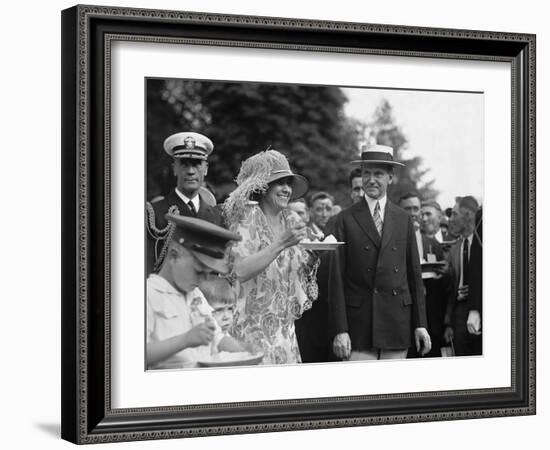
(254, 177)
(377, 154)
(188, 145)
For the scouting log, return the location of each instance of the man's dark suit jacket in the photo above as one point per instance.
(476, 267)
(312, 328)
(436, 293)
(457, 311)
(375, 283)
(158, 208)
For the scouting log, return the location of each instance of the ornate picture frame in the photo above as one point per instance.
(88, 33)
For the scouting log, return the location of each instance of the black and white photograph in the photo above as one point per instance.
(275, 224)
(299, 223)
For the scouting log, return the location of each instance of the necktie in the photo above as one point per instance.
(192, 208)
(377, 219)
(465, 262)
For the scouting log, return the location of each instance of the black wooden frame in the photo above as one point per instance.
(87, 31)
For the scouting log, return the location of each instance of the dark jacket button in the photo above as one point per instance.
(394, 292)
(394, 249)
(375, 290)
(396, 269)
(367, 247)
(369, 269)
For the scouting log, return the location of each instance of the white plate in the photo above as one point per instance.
(247, 361)
(321, 245)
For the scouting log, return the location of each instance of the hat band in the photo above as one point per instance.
(381, 156)
(186, 153)
(207, 251)
(279, 172)
(189, 149)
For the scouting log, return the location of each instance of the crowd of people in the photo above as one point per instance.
(233, 277)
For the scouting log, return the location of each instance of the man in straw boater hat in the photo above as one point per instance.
(181, 329)
(377, 305)
(190, 153)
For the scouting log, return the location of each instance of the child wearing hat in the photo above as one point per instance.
(181, 328)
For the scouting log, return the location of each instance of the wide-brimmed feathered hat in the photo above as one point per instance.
(255, 175)
(377, 154)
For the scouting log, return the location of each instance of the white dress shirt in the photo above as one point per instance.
(419, 245)
(196, 200)
(372, 204)
(170, 313)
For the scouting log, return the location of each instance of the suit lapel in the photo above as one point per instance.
(389, 220)
(174, 199)
(204, 210)
(456, 260)
(364, 219)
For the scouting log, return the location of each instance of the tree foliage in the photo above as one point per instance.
(410, 178)
(306, 123)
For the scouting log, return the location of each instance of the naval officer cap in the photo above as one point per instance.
(188, 145)
(208, 242)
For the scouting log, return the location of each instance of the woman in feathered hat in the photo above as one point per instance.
(277, 277)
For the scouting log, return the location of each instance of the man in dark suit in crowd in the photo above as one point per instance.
(312, 327)
(320, 211)
(473, 322)
(356, 192)
(190, 153)
(463, 314)
(299, 206)
(431, 217)
(376, 296)
(435, 282)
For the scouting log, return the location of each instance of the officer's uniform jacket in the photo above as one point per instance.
(158, 228)
(375, 283)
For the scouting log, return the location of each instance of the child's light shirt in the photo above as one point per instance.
(169, 313)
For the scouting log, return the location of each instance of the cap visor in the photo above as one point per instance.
(218, 265)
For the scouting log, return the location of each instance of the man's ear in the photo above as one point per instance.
(174, 168)
(172, 253)
(205, 168)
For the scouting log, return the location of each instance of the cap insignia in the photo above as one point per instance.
(189, 142)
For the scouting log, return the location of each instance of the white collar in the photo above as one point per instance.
(438, 236)
(196, 199)
(372, 204)
(469, 238)
(161, 284)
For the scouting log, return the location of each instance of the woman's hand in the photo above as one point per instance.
(313, 236)
(293, 236)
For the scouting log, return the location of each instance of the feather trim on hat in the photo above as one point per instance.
(252, 178)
